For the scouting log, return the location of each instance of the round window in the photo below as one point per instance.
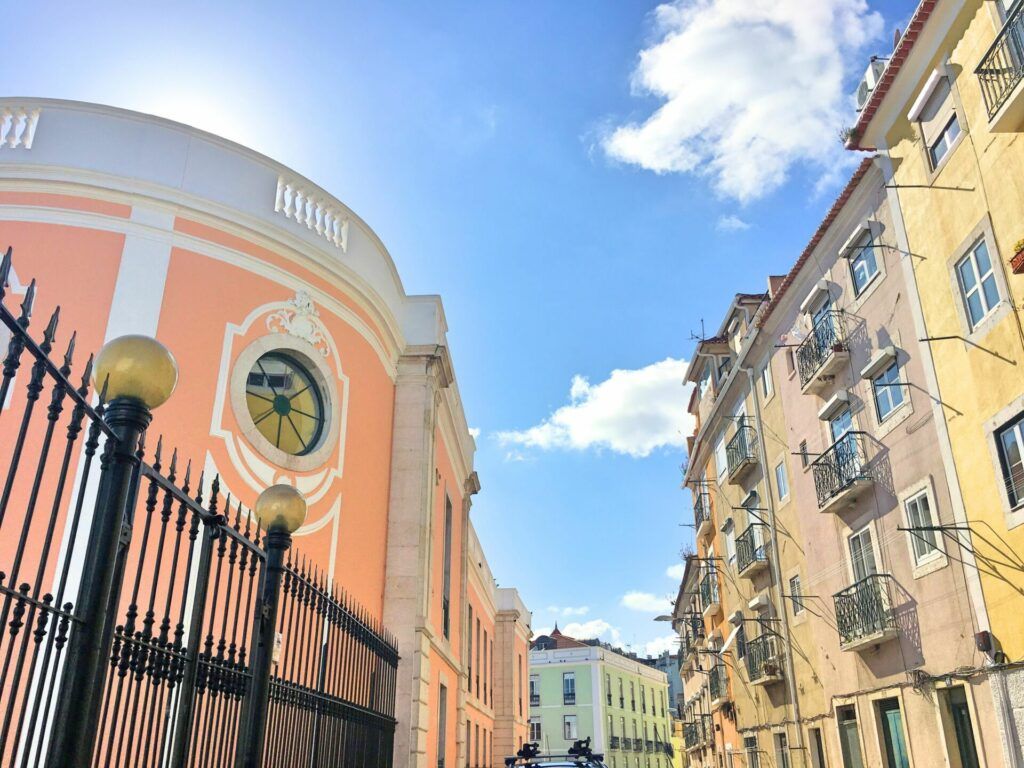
(285, 403)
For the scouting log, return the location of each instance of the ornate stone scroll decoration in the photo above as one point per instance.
(313, 210)
(18, 127)
(302, 320)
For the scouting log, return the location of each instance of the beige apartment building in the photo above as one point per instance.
(844, 619)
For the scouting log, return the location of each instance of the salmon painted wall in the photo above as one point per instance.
(212, 310)
(347, 519)
(69, 264)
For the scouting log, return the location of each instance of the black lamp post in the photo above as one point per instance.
(138, 374)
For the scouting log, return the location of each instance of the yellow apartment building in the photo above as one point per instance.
(946, 118)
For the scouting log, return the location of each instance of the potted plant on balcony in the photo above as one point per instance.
(1017, 262)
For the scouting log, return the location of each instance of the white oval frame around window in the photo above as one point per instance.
(310, 358)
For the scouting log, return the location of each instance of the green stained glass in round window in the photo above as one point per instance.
(285, 403)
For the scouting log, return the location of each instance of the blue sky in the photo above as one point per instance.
(583, 182)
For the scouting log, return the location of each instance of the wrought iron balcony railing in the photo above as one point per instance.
(691, 735)
(649, 745)
(534, 699)
(717, 684)
(763, 659)
(740, 449)
(751, 548)
(638, 745)
(701, 507)
(864, 611)
(1002, 66)
(839, 467)
(825, 339)
(613, 742)
(709, 590)
(569, 698)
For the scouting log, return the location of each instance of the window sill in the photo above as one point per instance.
(931, 565)
(895, 418)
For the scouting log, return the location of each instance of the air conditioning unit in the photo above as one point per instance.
(871, 78)
(769, 670)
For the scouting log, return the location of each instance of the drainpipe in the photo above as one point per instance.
(783, 614)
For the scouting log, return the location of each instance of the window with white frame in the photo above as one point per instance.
(721, 461)
(781, 481)
(938, 121)
(796, 595)
(1010, 440)
(920, 521)
(535, 731)
(766, 380)
(569, 688)
(863, 262)
(569, 727)
(977, 281)
(888, 391)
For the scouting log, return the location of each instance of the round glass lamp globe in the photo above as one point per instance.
(136, 367)
(281, 507)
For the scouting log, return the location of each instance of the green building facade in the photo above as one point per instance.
(579, 690)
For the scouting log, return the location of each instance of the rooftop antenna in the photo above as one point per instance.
(702, 337)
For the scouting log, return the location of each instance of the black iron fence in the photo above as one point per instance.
(1002, 66)
(751, 548)
(762, 657)
(701, 505)
(139, 611)
(825, 339)
(717, 684)
(709, 589)
(740, 449)
(839, 467)
(864, 610)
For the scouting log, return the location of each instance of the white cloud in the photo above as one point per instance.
(595, 628)
(676, 571)
(474, 432)
(646, 602)
(731, 223)
(750, 87)
(632, 412)
(659, 645)
(568, 611)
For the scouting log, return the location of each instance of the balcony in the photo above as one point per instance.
(691, 735)
(840, 473)
(764, 662)
(569, 699)
(613, 742)
(822, 353)
(649, 745)
(638, 745)
(627, 745)
(740, 452)
(702, 511)
(864, 614)
(718, 686)
(752, 551)
(534, 699)
(709, 599)
(1000, 74)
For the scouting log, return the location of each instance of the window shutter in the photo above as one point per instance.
(937, 111)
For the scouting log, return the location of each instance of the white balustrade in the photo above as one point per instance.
(17, 127)
(312, 210)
